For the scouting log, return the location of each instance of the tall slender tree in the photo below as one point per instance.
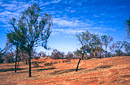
(37, 29)
(15, 37)
(34, 30)
(84, 39)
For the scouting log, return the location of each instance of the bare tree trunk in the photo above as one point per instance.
(26, 62)
(29, 63)
(16, 58)
(79, 62)
(101, 52)
(15, 63)
(106, 51)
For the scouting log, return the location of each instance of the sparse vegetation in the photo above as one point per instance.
(93, 71)
(100, 64)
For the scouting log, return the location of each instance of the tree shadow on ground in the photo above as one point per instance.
(100, 67)
(37, 66)
(104, 66)
(64, 71)
(126, 76)
(37, 62)
(11, 69)
(13, 73)
(5, 65)
(46, 69)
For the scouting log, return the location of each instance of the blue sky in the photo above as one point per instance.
(71, 17)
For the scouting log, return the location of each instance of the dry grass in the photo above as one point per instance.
(106, 71)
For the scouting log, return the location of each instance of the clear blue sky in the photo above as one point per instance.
(71, 17)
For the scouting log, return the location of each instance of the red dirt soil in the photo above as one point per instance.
(105, 71)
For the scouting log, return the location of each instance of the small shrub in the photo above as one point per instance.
(48, 64)
(36, 64)
(36, 57)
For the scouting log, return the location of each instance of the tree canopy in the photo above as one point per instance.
(127, 28)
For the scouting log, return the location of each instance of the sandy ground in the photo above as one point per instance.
(105, 71)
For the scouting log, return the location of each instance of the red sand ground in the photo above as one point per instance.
(105, 71)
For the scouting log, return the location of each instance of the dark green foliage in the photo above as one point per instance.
(127, 28)
(2, 53)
